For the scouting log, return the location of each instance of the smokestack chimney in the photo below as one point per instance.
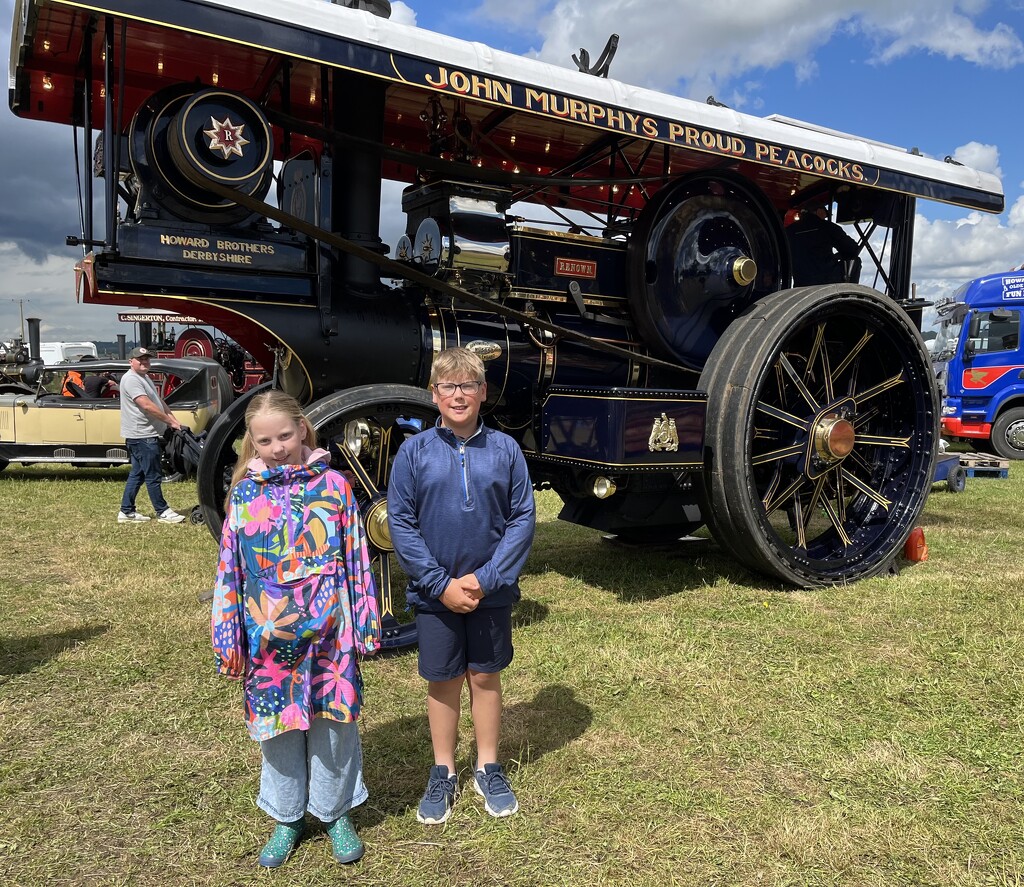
(33, 336)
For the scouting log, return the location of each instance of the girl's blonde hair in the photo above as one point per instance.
(273, 402)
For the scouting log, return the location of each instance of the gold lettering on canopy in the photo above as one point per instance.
(564, 107)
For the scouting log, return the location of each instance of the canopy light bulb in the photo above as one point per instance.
(47, 82)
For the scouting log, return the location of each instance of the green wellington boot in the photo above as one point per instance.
(281, 844)
(345, 842)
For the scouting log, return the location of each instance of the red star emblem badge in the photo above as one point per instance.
(226, 137)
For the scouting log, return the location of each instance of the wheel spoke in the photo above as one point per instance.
(826, 375)
(798, 382)
(779, 498)
(778, 455)
(868, 491)
(878, 440)
(854, 351)
(880, 388)
(782, 416)
(819, 488)
(841, 497)
(384, 586)
(384, 459)
(356, 467)
(858, 460)
(865, 417)
(800, 521)
(819, 335)
(819, 351)
(836, 522)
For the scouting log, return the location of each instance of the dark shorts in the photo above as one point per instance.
(452, 642)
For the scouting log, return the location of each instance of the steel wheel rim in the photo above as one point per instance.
(835, 511)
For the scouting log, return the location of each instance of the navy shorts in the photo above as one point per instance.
(452, 642)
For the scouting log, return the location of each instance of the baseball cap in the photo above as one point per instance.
(141, 352)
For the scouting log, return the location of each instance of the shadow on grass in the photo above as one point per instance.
(22, 655)
(935, 519)
(397, 755)
(65, 472)
(638, 572)
(528, 613)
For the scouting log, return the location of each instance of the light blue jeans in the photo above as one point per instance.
(319, 770)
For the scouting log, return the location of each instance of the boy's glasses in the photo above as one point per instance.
(447, 389)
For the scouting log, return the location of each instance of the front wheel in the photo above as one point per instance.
(821, 435)
(1008, 434)
(363, 429)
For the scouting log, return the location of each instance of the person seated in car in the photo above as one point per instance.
(822, 251)
(100, 385)
(74, 384)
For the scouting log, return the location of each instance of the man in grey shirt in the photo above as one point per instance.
(143, 421)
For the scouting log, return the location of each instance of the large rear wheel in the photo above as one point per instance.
(821, 434)
(363, 428)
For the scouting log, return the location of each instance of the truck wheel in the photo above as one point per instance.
(956, 480)
(821, 434)
(1008, 434)
(363, 429)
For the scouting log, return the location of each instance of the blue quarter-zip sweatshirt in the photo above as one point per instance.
(457, 507)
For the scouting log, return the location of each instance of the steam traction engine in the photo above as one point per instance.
(643, 344)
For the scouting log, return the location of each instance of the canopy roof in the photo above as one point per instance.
(497, 112)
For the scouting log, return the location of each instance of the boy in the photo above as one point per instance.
(460, 507)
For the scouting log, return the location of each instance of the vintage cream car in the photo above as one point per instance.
(42, 425)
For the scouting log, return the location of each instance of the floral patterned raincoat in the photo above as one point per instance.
(294, 601)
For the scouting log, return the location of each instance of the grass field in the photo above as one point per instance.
(671, 718)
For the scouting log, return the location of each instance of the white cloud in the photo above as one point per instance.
(705, 45)
(945, 33)
(403, 13)
(949, 252)
(980, 157)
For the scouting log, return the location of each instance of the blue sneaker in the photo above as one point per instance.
(437, 801)
(492, 784)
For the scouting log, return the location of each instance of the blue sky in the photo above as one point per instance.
(944, 76)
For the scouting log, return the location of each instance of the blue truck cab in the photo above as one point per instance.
(977, 353)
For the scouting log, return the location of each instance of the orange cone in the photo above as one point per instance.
(916, 549)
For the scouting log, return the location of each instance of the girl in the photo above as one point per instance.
(293, 605)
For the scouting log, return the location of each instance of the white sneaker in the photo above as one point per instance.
(170, 516)
(133, 518)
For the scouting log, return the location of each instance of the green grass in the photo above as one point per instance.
(670, 717)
